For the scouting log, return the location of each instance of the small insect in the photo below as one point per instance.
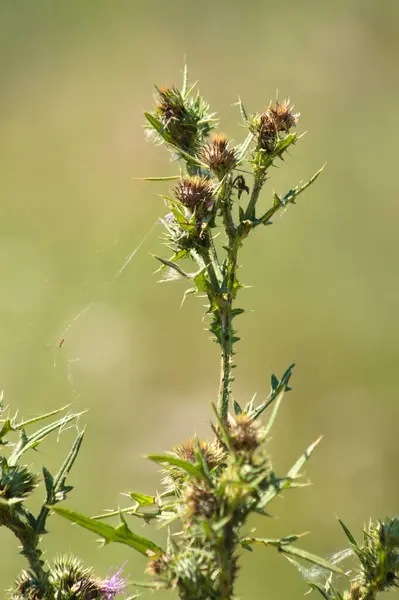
(61, 343)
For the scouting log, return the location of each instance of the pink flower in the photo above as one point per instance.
(113, 585)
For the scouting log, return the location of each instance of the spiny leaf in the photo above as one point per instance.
(291, 195)
(55, 487)
(172, 265)
(278, 485)
(169, 178)
(189, 90)
(130, 510)
(11, 501)
(28, 442)
(158, 585)
(173, 461)
(48, 481)
(289, 539)
(237, 408)
(243, 148)
(283, 144)
(6, 428)
(288, 198)
(280, 388)
(120, 534)
(274, 382)
(272, 418)
(201, 460)
(155, 123)
(142, 499)
(315, 586)
(348, 534)
(24, 424)
(185, 82)
(189, 291)
(237, 311)
(244, 114)
(294, 471)
(201, 281)
(312, 558)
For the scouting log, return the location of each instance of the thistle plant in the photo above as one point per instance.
(209, 488)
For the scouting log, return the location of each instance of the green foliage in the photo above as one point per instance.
(210, 488)
(18, 482)
(120, 534)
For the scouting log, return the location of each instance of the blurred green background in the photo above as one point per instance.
(76, 77)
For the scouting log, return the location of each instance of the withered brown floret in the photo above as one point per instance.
(277, 117)
(245, 434)
(214, 455)
(194, 192)
(217, 155)
(200, 500)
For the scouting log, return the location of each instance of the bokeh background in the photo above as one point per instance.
(76, 77)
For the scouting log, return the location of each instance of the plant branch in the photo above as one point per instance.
(27, 536)
(230, 288)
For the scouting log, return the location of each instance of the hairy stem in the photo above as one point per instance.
(29, 541)
(226, 564)
(258, 184)
(226, 361)
(226, 302)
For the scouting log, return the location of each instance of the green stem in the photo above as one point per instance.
(226, 361)
(226, 564)
(258, 184)
(226, 300)
(215, 259)
(29, 541)
(235, 238)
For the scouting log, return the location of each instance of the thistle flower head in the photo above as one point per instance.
(200, 500)
(218, 156)
(15, 481)
(282, 115)
(158, 565)
(244, 433)
(67, 576)
(26, 587)
(267, 125)
(180, 120)
(212, 452)
(113, 585)
(170, 104)
(196, 193)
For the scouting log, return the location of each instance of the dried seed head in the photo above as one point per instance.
(277, 117)
(213, 454)
(194, 192)
(200, 500)
(170, 104)
(211, 451)
(217, 155)
(27, 586)
(158, 565)
(245, 434)
(282, 116)
(185, 122)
